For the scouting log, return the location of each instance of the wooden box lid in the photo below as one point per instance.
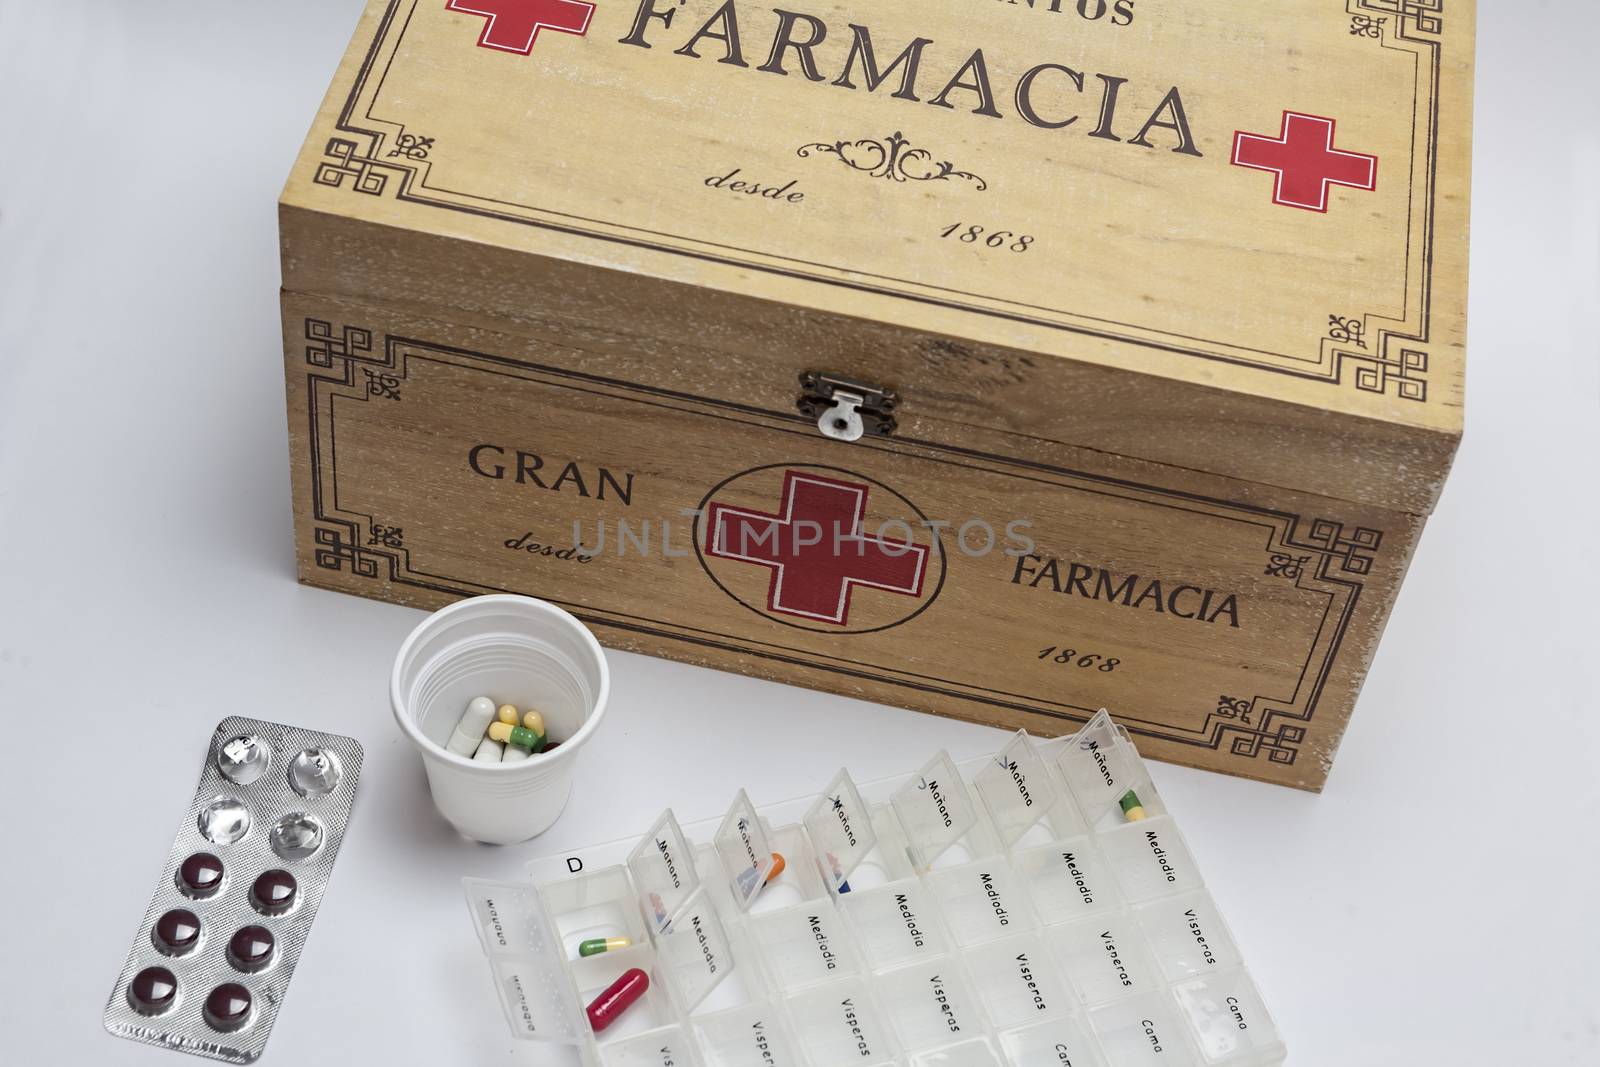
(1209, 234)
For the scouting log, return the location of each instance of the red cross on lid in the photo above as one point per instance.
(514, 25)
(1305, 162)
(816, 548)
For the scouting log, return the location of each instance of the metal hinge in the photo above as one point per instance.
(846, 409)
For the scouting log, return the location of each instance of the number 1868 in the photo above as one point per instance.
(1071, 657)
(1016, 242)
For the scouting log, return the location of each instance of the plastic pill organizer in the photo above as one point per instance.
(1021, 909)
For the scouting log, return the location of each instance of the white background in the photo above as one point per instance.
(1440, 903)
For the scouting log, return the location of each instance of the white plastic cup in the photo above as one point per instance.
(514, 650)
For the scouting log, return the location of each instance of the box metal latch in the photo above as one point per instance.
(846, 409)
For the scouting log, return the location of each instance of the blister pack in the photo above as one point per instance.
(212, 958)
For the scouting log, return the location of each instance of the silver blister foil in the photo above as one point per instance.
(286, 827)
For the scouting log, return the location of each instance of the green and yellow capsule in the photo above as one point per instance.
(1132, 810)
(596, 945)
(520, 736)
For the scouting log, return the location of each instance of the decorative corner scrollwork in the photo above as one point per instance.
(333, 553)
(346, 160)
(1234, 708)
(1353, 549)
(379, 384)
(387, 536)
(410, 146)
(892, 158)
(1279, 744)
(323, 346)
(1367, 26)
(1283, 565)
(1347, 331)
(1375, 373)
(1416, 16)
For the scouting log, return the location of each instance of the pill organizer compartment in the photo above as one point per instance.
(1024, 797)
(940, 818)
(1143, 1031)
(932, 1004)
(1105, 958)
(670, 1046)
(664, 870)
(754, 1035)
(1227, 1020)
(654, 1008)
(594, 906)
(805, 944)
(841, 1022)
(1060, 1041)
(1018, 981)
(801, 879)
(1150, 859)
(1100, 767)
(742, 847)
(897, 923)
(1134, 963)
(978, 1052)
(1069, 879)
(983, 900)
(1187, 935)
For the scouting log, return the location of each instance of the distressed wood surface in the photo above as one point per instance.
(1221, 398)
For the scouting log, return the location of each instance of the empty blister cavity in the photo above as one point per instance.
(1060, 1041)
(935, 809)
(1015, 788)
(1069, 880)
(663, 868)
(896, 923)
(243, 759)
(224, 821)
(1142, 1031)
(1150, 859)
(1187, 935)
(1099, 767)
(670, 1046)
(1227, 1019)
(754, 1035)
(1104, 958)
(1018, 981)
(806, 944)
(840, 827)
(594, 906)
(977, 1052)
(695, 952)
(841, 1022)
(931, 1003)
(742, 846)
(982, 901)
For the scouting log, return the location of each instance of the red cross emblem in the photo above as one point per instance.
(1305, 161)
(513, 25)
(815, 548)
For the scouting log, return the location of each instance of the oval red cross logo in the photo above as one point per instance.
(819, 548)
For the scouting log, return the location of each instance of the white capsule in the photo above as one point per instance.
(488, 751)
(469, 731)
(514, 754)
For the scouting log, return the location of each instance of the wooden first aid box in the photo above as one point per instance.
(1004, 359)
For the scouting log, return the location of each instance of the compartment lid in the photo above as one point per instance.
(1169, 229)
(840, 827)
(935, 810)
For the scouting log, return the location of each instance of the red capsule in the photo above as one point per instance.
(617, 998)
